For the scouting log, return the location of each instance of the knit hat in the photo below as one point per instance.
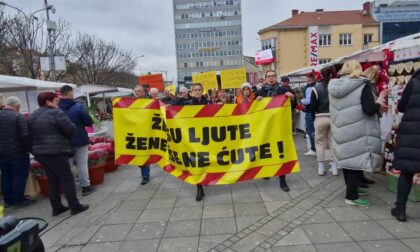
(246, 84)
(285, 79)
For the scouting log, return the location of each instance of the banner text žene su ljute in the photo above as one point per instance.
(207, 144)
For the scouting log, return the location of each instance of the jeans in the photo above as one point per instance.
(59, 175)
(145, 171)
(310, 129)
(81, 159)
(14, 173)
(352, 179)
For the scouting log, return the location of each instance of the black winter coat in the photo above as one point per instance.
(14, 134)
(268, 90)
(407, 150)
(51, 131)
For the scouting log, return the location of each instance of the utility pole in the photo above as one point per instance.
(51, 27)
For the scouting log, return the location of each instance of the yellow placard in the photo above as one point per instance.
(233, 78)
(171, 88)
(207, 79)
(207, 144)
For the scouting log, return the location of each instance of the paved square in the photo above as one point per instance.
(252, 216)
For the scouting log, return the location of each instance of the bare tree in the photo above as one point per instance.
(6, 66)
(27, 40)
(98, 61)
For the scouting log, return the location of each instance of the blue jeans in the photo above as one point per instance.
(310, 129)
(14, 173)
(145, 171)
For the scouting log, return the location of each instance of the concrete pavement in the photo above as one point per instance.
(251, 216)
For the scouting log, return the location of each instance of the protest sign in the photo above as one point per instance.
(207, 79)
(152, 80)
(233, 78)
(207, 144)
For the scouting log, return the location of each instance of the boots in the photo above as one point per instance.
(283, 184)
(399, 213)
(200, 193)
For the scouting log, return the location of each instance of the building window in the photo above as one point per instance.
(325, 39)
(221, 63)
(367, 38)
(345, 39)
(323, 61)
(269, 43)
(185, 65)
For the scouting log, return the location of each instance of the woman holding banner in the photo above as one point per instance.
(272, 88)
(198, 99)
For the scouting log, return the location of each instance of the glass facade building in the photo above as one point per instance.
(208, 36)
(397, 18)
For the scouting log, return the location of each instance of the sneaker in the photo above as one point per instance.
(321, 171)
(144, 181)
(88, 190)
(358, 202)
(334, 171)
(310, 153)
(362, 192)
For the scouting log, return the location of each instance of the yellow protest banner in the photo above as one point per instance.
(233, 78)
(207, 144)
(171, 88)
(207, 79)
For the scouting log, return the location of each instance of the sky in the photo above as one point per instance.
(146, 27)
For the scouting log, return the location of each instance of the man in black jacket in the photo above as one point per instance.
(139, 92)
(14, 157)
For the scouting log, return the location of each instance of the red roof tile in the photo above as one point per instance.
(324, 18)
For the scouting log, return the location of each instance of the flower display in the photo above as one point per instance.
(96, 157)
(37, 169)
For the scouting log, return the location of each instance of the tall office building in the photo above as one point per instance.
(398, 18)
(208, 36)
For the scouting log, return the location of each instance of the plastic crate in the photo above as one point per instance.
(391, 182)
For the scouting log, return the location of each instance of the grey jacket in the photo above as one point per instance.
(51, 131)
(355, 136)
(14, 134)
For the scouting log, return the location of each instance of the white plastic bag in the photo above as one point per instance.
(386, 126)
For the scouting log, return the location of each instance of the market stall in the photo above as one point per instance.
(27, 90)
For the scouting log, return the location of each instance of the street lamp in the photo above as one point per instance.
(51, 27)
(49, 7)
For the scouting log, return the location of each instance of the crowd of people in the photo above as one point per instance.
(341, 109)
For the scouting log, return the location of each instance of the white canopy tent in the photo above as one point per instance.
(101, 91)
(27, 89)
